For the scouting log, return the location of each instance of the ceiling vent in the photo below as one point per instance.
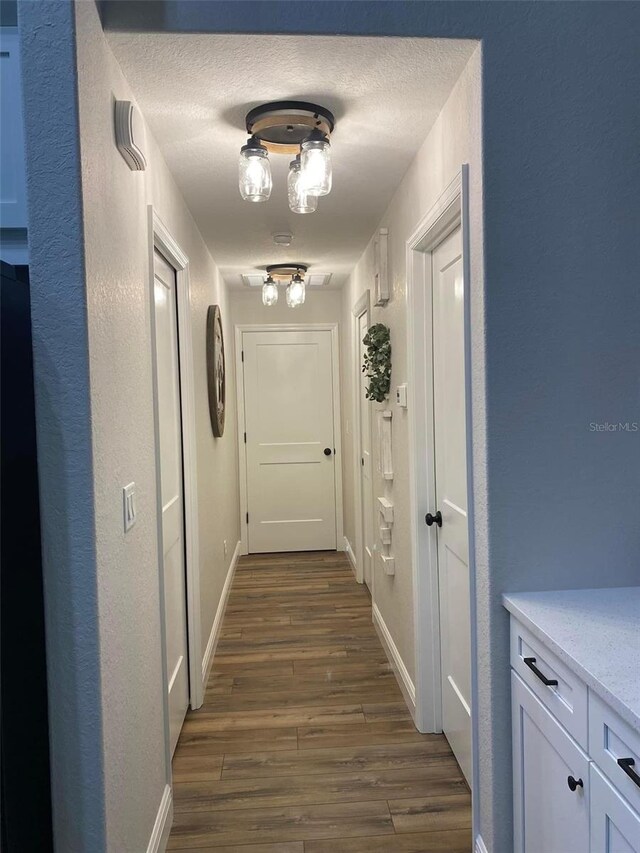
(317, 279)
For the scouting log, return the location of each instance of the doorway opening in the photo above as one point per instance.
(441, 493)
(176, 478)
(289, 437)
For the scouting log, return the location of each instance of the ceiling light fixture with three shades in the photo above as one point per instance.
(288, 127)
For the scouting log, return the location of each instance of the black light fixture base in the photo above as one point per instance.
(284, 272)
(282, 126)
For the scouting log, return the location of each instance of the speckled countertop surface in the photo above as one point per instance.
(596, 632)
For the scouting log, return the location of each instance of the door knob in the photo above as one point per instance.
(433, 519)
(574, 783)
(327, 451)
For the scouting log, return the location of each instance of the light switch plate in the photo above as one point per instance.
(401, 395)
(129, 506)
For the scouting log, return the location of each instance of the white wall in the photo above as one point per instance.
(123, 570)
(453, 140)
(320, 306)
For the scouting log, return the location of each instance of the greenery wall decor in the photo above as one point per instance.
(377, 362)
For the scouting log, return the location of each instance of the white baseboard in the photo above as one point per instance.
(162, 825)
(210, 651)
(480, 846)
(352, 557)
(391, 650)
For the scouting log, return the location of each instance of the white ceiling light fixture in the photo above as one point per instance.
(300, 200)
(269, 292)
(254, 171)
(295, 292)
(289, 275)
(289, 127)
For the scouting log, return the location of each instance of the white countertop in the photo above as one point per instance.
(596, 632)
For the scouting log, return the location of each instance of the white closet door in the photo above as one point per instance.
(170, 425)
(288, 387)
(451, 495)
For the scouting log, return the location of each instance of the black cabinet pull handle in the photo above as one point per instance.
(433, 519)
(574, 783)
(627, 765)
(531, 663)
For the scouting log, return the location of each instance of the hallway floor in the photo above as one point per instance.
(304, 743)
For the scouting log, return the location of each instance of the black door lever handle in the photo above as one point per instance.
(433, 519)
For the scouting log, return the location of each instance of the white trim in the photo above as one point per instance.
(395, 659)
(162, 826)
(337, 425)
(162, 240)
(362, 306)
(352, 557)
(214, 636)
(480, 846)
(441, 220)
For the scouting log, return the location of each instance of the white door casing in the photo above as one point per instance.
(451, 495)
(172, 492)
(365, 458)
(289, 422)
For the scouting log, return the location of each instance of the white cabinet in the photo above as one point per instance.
(575, 761)
(551, 795)
(615, 826)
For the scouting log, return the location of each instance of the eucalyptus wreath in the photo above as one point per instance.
(377, 362)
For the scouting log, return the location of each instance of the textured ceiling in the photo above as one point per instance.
(194, 91)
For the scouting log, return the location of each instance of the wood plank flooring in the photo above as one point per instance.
(304, 743)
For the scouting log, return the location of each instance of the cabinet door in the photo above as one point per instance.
(615, 826)
(549, 817)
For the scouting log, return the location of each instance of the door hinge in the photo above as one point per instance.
(242, 355)
(245, 438)
(247, 518)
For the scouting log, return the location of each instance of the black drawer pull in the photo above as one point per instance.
(531, 663)
(627, 765)
(574, 783)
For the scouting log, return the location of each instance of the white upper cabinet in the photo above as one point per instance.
(13, 199)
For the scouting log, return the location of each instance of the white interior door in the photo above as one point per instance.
(366, 482)
(451, 495)
(170, 427)
(288, 390)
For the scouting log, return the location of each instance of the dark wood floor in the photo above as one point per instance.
(304, 743)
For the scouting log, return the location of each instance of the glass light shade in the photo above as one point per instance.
(299, 199)
(269, 292)
(254, 172)
(295, 292)
(315, 161)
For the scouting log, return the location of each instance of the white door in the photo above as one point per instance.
(366, 482)
(170, 427)
(451, 496)
(288, 394)
(615, 825)
(551, 780)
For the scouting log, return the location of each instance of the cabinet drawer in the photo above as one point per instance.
(611, 740)
(614, 825)
(550, 779)
(567, 700)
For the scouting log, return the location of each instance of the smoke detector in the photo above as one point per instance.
(283, 239)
